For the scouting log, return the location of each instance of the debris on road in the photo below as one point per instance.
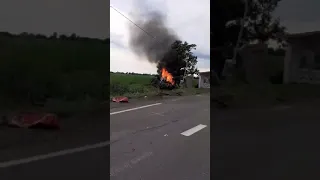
(119, 99)
(35, 120)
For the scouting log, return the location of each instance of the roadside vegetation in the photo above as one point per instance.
(131, 84)
(63, 74)
(134, 85)
(38, 70)
(177, 63)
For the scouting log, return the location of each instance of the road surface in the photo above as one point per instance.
(168, 139)
(165, 141)
(171, 141)
(279, 142)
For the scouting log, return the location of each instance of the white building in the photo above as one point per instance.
(204, 79)
(302, 60)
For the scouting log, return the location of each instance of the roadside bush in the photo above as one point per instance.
(118, 88)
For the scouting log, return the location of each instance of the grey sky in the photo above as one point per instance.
(299, 15)
(191, 27)
(89, 18)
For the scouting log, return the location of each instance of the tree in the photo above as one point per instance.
(63, 37)
(73, 36)
(180, 60)
(223, 37)
(259, 26)
(186, 56)
(54, 36)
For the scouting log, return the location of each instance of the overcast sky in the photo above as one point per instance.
(188, 18)
(299, 15)
(90, 18)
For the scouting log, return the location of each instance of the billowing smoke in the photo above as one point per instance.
(154, 40)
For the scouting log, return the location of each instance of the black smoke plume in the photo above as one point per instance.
(154, 41)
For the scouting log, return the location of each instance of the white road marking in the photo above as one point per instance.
(193, 130)
(53, 154)
(133, 109)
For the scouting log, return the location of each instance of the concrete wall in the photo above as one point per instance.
(275, 64)
(204, 80)
(258, 65)
(189, 82)
(295, 70)
(308, 76)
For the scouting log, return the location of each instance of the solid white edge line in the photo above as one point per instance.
(193, 130)
(133, 109)
(53, 154)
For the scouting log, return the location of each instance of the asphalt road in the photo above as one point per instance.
(146, 143)
(151, 145)
(154, 142)
(279, 142)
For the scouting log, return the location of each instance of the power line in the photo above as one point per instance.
(132, 22)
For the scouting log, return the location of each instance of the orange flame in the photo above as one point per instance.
(167, 76)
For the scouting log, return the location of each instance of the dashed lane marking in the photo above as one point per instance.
(193, 130)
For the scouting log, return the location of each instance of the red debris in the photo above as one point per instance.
(120, 99)
(35, 120)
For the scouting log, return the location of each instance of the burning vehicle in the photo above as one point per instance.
(166, 80)
(156, 47)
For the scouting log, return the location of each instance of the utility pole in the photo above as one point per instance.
(241, 32)
(184, 74)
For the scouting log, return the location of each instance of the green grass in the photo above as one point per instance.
(71, 73)
(130, 79)
(58, 68)
(131, 85)
(139, 85)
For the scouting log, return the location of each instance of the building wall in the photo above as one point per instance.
(189, 82)
(260, 66)
(308, 76)
(302, 63)
(204, 81)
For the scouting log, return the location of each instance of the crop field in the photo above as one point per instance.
(58, 68)
(130, 84)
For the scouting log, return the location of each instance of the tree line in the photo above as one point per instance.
(54, 36)
(133, 73)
